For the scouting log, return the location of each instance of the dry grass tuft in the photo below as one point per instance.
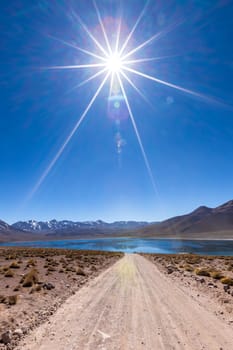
(30, 278)
(9, 273)
(17, 288)
(31, 262)
(217, 275)
(202, 272)
(227, 280)
(14, 265)
(80, 271)
(188, 268)
(2, 299)
(12, 299)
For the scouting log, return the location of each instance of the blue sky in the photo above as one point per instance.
(188, 139)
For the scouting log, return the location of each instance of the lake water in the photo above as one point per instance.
(146, 245)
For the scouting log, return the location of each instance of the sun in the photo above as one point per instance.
(114, 63)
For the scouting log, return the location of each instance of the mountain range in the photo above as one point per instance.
(203, 222)
(53, 229)
(67, 225)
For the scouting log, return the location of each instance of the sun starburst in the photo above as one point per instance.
(116, 62)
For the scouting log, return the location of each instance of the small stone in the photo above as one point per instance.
(48, 286)
(18, 332)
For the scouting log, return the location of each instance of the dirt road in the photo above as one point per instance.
(131, 306)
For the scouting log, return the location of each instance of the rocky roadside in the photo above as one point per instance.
(207, 279)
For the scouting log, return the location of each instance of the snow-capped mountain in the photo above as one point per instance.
(4, 226)
(54, 225)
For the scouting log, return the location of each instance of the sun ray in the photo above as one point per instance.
(64, 42)
(174, 86)
(80, 66)
(111, 85)
(118, 36)
(136, 89)
(134, 28)
(62, 148)
(148, 59)
(91, 35)
(151, 39)
(139, 47)
(92, 77)
(147, 164)
(102, 27)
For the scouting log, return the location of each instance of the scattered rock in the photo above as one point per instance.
(18, 332)
(48, 286)
(6, 337)
(171, 269)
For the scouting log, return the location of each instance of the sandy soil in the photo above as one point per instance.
(131, 305)
(55, 275)
(201, 277)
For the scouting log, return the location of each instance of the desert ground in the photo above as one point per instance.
(145, 302)
(35, 282)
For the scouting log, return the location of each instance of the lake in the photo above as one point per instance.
(131, 245)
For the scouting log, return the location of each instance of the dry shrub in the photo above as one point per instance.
(2, 299)
(188, 268)
(17, 288)
(35, 289)
(202, 272)
(227, 280)
(30, 278)
(31, 262)
(63, 261)
(9, 273)
(80, 271)
(51, 269)
(38, 288)
(193, 259)
(14, 265)
(12, 299)
(217, 275)
(70, 268)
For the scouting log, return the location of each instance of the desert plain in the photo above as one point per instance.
(70, 299)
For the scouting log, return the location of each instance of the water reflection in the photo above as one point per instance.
(130, 245)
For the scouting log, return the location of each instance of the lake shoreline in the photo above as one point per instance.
(135, 245)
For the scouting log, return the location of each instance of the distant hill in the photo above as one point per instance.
(54, 226)
(44, 230)
(9, 233)
(202, 222)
